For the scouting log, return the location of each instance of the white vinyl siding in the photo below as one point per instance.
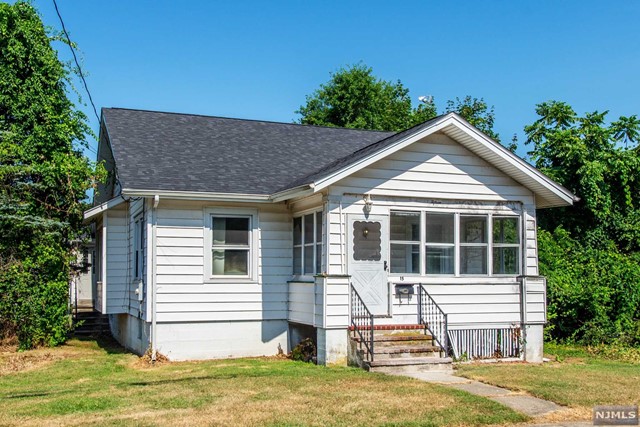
(117, 268)
(184, 293)
(439, 176)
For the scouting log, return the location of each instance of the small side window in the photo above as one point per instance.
(138, 245)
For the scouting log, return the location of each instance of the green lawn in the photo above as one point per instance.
(574, 378)
(87, 383)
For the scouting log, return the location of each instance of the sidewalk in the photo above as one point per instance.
(522, 403)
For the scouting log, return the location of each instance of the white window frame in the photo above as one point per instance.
(507, 245)
(252, 268)
(138, 246)
(408, 242)
(317, 240)
(456, 248)
(457, 214)
(486, 244)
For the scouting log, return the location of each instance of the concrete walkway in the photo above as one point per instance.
(525, 404)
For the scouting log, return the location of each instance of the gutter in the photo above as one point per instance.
(300, 191)
(197, 195)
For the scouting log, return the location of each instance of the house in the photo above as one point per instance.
(219, 237)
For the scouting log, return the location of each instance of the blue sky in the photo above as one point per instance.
(258, 60)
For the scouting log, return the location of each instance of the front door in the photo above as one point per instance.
(368, 260)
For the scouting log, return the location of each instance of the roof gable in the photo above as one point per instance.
(548, 192)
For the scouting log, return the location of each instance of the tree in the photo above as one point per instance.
(355, 98)
(590, 252)
(43, 180)
(599, 163)
(475, 111)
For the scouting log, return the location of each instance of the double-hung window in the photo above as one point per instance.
(440, 243)
(405, 242)
(231, 245)
(506, 245)
(138, 244)
(307, 244)
(473, 244)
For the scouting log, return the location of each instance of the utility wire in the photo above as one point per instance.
(75, 58)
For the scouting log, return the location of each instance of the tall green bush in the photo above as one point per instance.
(593, 293)
(590, 252)
(43, 180)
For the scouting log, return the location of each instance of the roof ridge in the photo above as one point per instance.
(247, 120)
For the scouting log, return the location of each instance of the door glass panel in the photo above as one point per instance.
(367, 241)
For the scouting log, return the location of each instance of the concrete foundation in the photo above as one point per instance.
(220, 340)
(131, 332)
(332, 346)
(534, 345)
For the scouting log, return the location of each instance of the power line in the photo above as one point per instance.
(75, 58)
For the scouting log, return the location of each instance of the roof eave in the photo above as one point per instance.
(197, 195)
(90, 214)
(292, 193)
(567, 197)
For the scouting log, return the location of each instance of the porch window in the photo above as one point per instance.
(473, 245)
(307, 244)
(405, 242)
(440, 243)
(231, 245)
(506, 245)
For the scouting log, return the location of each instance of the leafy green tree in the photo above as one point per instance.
(475, 111)
(599, 163)
(590, 252)
(355, 98)
(43, 180)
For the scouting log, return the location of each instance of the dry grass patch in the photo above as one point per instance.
(573, 378)
(105, 386)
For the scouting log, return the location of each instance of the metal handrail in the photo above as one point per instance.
(362, 322)
(434, 319)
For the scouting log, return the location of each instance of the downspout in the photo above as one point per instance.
(523, 281)
(154, 223)
(343, 267)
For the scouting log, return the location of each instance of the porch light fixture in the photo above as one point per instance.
(365, 232)
(368, 203)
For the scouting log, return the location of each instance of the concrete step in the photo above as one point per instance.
(397, 338)
(410, 364)
(394, 352)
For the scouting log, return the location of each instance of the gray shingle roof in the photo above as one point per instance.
(182, 152)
